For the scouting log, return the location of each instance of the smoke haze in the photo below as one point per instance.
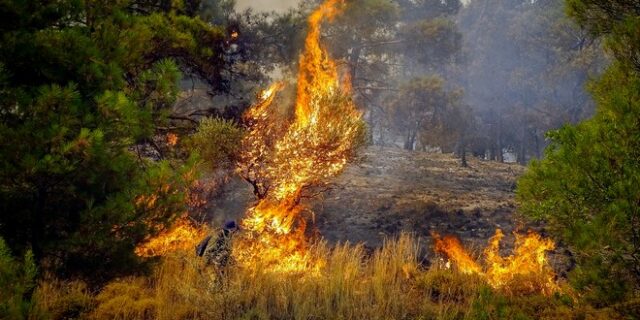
(266, 5)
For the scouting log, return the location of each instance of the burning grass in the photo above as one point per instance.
(353, 284)
(526, 271)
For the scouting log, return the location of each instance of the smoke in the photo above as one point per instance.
(525, 71)
(266, 5)
(513, 69)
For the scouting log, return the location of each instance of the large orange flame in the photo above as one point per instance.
(318, 74)
(525, 271)
(283, 159)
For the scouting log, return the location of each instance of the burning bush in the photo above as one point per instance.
(281, 159)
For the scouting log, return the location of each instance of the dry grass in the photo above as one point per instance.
(388, 284)
(54, 299)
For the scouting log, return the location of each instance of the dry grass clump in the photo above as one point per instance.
(387, 284)
(55, 299)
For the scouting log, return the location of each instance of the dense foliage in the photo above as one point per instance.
(80, 83)
(587, 185)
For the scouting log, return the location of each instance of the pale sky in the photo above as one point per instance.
(266, 5)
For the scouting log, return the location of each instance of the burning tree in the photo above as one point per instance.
(282, 158)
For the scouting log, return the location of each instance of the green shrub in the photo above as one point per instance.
(17, 280)
(217, 141)
(74, 98)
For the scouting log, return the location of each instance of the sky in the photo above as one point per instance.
(266, 5)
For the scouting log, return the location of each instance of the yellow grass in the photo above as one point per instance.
(386, 284)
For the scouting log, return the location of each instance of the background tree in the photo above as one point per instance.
(423, 106)
(259, 47)
(385, 44)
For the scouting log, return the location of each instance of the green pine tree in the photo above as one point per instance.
(588, 185)
(80, 83)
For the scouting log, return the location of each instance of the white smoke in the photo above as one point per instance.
(266, 5)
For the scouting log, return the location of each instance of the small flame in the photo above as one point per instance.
(172, 139)
(527, 268)
(452, 248)
(182, 236)
(270, 92)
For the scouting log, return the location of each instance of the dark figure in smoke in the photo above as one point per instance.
(216, 250)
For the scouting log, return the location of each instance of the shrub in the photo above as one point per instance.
(217, 141)
(17, 280)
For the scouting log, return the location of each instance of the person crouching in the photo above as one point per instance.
(216, 248)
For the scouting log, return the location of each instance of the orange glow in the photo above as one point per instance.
(172, 139)
(318, 74)
(526, 270)
(182, 236)
(284, 157)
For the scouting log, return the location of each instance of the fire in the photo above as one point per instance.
(282, 158)
(182, 236)
(318, 74)
(452, 248)
(526, 270)
(172, 139)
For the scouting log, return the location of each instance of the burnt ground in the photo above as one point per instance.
(393, 190)
(389, 191)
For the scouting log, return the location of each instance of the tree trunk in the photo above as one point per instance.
(522, 154)
(410, 140)
(37, 227)
(463, 153)
(537, 142)
(354, 58)
(500, 154)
